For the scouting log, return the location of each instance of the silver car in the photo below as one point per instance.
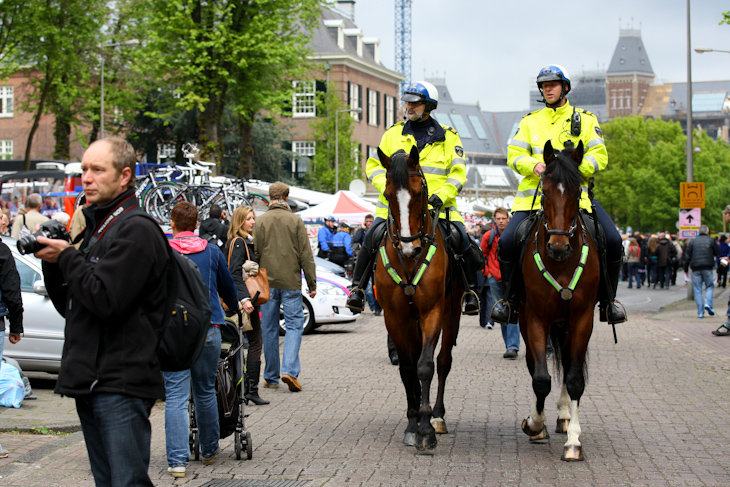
(41, 346)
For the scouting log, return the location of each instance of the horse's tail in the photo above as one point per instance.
(558, 335)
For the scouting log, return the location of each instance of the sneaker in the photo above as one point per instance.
(292, 382)
(510, 354)
(3, 454)
(700, 316)
(268, 385)
(710, 310)
(490, 326)
(211, 459)
(377, 313)
(723, 331)
(177, 472)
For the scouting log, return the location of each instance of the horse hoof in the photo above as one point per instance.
(534, 435)
(426, 442)
(572, 454)
(439, 425)
(409, 439)
(562, 426)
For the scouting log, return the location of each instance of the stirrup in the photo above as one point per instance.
(617, 313)
(470, 312)
(356, 301)
(504, 314)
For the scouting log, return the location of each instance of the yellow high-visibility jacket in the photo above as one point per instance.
(442, 161)
(526, 147)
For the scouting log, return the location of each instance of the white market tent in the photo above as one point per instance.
(343, 206)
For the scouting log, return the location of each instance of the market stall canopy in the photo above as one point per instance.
(343, 205)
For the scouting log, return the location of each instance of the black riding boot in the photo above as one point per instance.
(506, 310)
(364, 267)
(470, 266)
(610, 310)
(254, 369)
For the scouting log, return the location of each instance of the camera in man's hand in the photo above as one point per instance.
(51, 229)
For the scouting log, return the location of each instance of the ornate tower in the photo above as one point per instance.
(629, 75)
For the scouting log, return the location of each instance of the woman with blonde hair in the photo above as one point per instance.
(241, 258)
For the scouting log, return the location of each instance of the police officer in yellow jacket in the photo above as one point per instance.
(561, 124)
(443, 164)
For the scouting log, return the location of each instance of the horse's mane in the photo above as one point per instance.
(399, 168)
(564, 170)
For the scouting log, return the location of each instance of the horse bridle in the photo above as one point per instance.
(422, 258)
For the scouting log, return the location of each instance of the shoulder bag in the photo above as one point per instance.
(258, 285)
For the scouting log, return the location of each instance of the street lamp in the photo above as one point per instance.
(701, 50)
(130, 42)
(337, 143)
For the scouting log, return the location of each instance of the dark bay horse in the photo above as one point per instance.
(417, 293)
(561, 275)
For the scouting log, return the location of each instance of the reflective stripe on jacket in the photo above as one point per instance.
(442, 162)
(526, 148)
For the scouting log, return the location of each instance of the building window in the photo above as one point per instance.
(303, 148)
(165, 152)
(304, 101)
(373, 105)
(389, 111)
(6, 95)
(6, 149)
(353, 94)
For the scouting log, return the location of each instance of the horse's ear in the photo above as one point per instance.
(577, 154)
(413, 158)
(548, 154)
(384, 160)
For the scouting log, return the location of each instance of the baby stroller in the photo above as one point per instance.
(230, 385)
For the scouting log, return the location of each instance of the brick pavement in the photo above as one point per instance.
(653, 414)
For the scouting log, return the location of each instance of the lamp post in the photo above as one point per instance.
(130, 42)
(337, 143)
(702, 50)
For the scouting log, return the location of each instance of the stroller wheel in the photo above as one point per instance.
(196, 446)
(249, 446)
(237, 443)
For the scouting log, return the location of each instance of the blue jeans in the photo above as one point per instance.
(485, 298)
(291, 301)
(370, 296)
(511, 332)
(177, 393)
(633, 271)
(117, 432)
(699, 277)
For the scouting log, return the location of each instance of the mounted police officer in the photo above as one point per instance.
(442, 160)
(561, 124)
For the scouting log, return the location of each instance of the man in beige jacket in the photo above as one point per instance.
(32, 216)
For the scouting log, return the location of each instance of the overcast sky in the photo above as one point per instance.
(491, 51)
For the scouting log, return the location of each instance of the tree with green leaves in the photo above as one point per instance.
(55, 50)
(321, 173)
(647, 163)
(223, 51)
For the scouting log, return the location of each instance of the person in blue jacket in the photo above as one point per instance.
(341, 247)
(325, 236)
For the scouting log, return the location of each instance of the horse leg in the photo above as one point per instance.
(575, 385)
(426, 435)
(563, 411)
(443, 369)
(534, 424)
(413, 397)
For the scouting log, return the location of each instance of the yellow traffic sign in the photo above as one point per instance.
(691, 195)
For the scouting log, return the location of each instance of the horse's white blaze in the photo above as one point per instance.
(574, 426)
(536, 422)
(404, 198)
(564, 404)
(561, 188)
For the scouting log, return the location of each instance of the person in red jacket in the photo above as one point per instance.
(490, 241)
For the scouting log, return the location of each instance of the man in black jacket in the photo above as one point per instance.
(111, 300)
(215, 228)
(700, 255)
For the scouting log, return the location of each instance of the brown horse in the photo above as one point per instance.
(561, 274)
(417, 293)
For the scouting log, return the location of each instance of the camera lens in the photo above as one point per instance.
(29, 245)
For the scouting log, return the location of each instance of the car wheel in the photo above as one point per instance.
(309, 323)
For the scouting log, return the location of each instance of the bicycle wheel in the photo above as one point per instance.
(259, 203)
(160, 201)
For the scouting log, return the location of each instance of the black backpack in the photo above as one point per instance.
(181, 335)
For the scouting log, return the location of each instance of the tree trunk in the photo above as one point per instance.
(209, 121)
(47, 82)
(245, 148)
(62, 133)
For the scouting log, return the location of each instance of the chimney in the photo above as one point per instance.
(347, 8)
